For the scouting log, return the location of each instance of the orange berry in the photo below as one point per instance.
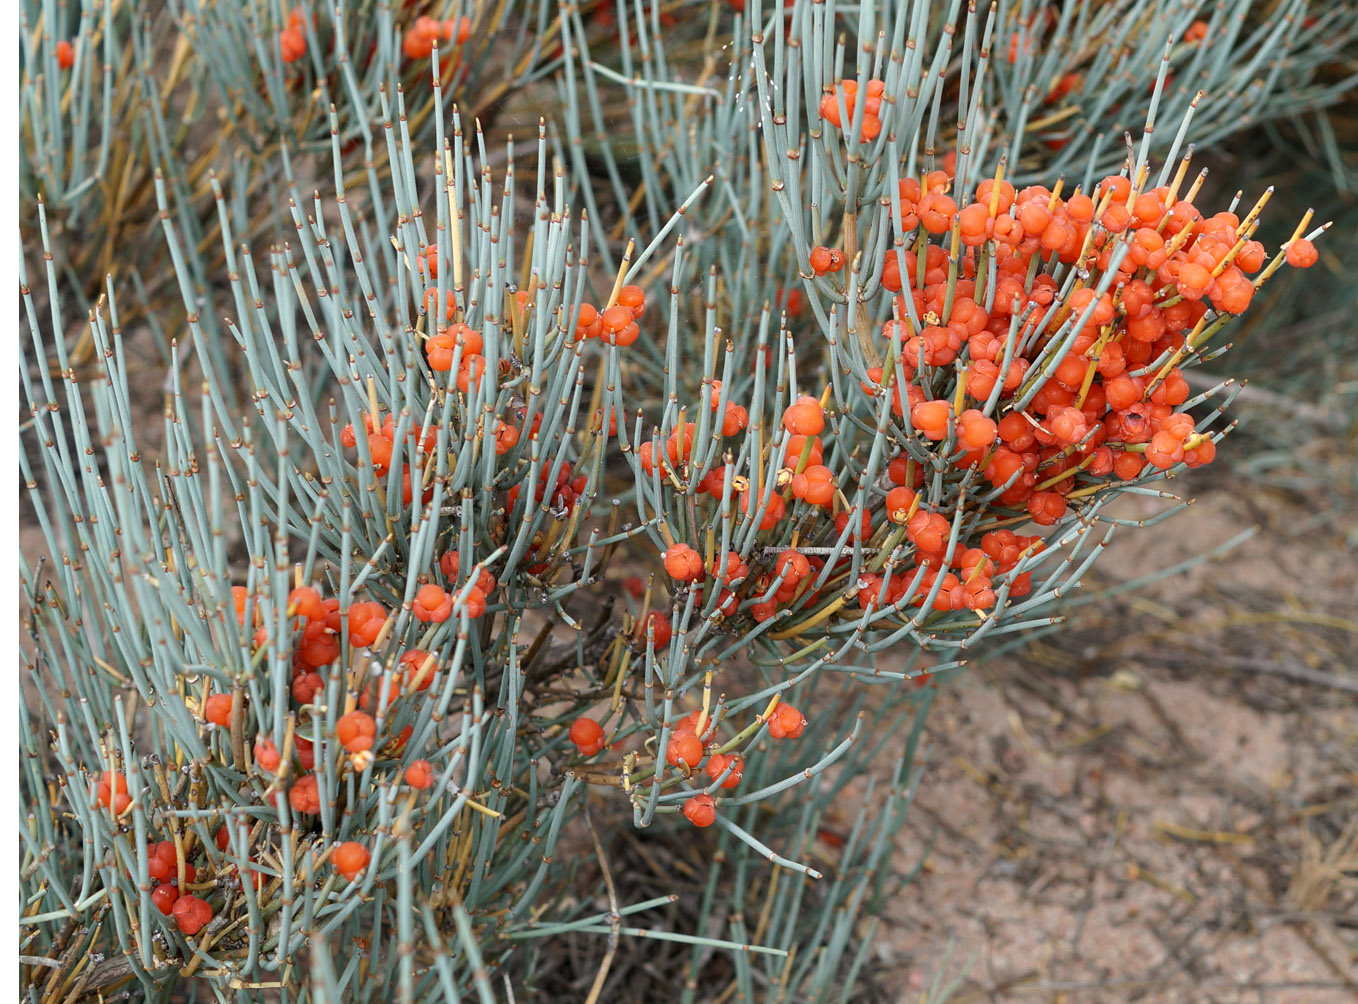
(162, 860)
(737, 417)
(475, 602)
(616, 318)
(684, 747)
(1302, 254)
(419, 774)
(350, 858)
(786, 722)
(975, 430)
(1046, 507)
(931, 418)
(634, 299)
(862, 529)
(432, 604)
(365, 622)
(1164, 450)
(936, 213)
(1193, 280)
(701, 809)
(431, 301)
(306, 686)
(111, 791)
(266, 754)
(729, 568)
(217, 710)
(804, 417)
(470, 372)
(718, 762)
(689, 723)
(825, 259)
(683, 563)
(792, 454)
(439, 350)
(304, 796)
(792, 565)
(356, 731)
(898, 503)
(65, 54)
(462, 28)
(420, 669)
(928, 531)
(306, 602)
(774, 510)
(469, 338)
(291, 45)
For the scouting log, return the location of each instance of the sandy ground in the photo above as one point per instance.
(1151, 806)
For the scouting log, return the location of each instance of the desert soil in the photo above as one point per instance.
(1157, 804)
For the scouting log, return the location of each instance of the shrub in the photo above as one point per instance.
(339, 694)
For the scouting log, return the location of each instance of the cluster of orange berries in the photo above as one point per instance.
(1092, 414)
(616, 325)
(687, 749)
(318, 624)
(971, 587)
(441, 348)
(848, 89)
(191, 912)
(428, 32)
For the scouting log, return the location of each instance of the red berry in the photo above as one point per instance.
(164, 897)
(161, 861)
(588, 735)
(191, 914)
(657, 625)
